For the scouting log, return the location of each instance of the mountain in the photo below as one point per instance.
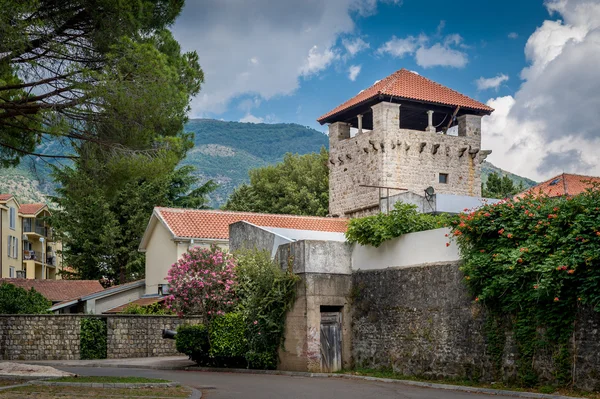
(223, 151)
(226, 151)
(488, 168)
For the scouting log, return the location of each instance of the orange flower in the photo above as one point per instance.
(447, 244)
(509, 235)
(520, 260)
(571, 271)
(535, 287)
(556, 299)
(477, 299)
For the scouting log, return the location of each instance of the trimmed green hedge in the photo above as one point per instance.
(228, 336)
(92, 341)
(192, 340)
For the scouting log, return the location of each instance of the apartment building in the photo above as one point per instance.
(27, 248)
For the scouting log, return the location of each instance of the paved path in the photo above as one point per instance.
(259, 386)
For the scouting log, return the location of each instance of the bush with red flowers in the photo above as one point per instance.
(532, 262)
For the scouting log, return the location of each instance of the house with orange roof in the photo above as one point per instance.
(565, 184)
(171, 232)
(27, 247)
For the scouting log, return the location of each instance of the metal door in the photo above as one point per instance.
(331, 341)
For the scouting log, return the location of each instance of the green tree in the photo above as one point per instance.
(500, 187)
(297, 186)
(102, 225)
(16, 300)
(88, 71)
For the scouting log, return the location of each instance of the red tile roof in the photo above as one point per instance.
(31, 209)
(405, 84)
(565, 184)
(5, 197)
(213, 224)
(58, 290)
(140, 302)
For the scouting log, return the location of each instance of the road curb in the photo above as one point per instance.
(106, 384)
(448, 387)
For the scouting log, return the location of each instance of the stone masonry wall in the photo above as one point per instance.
(421, 321)
(394, 157)
(56, 337)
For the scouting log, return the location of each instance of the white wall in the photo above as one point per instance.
(407, 250)
(112, 301)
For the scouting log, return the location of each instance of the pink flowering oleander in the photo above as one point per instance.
(202, 282)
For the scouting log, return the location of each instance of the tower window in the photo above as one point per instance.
(444, 178)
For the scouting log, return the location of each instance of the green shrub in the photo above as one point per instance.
(228, 336)
(403, 219)
(192, 340)
(266, 293)
(534, 263)
(152, 309)
(16, 300)
(92, 344)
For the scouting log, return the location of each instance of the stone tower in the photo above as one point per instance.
(401, 143)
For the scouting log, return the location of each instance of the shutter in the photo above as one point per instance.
(9, 252)
(16, 248)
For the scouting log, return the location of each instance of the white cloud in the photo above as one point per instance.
(317, 61)
(439, 55)
(491, 83)
(353, 72)
(550, 125)
(400, 47)
(252, 119)
(440, 27)
(513, 35)
(355, 46)
(262, 47)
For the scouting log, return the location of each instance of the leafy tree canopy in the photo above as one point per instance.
(16, 300)
(500, 187)
(104, 72)
(297, 186)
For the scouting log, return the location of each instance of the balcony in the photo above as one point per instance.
(36, 228)
(36, 257)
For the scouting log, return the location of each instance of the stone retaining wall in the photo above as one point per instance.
(56, 337)
(421, 321)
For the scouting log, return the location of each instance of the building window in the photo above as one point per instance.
(12, 218)
(13, 247)
(444, 178)
(11, 272)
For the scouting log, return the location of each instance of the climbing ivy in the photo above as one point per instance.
(533, 262)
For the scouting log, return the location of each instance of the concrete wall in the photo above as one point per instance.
(330, 289)
(400, 158)
(421, 248)
(244, 235)
(56, 337)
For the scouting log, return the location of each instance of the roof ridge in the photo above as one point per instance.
(218, 211)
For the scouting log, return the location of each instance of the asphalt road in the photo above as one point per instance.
(254, 386)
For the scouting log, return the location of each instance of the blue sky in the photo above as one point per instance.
(288, 61)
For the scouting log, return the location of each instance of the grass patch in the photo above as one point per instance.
(388, 373)
(4, 382)
(49, 392)
(110, 380)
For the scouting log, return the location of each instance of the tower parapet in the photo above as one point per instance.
(404, 141)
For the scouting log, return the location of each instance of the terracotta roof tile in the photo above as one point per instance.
(5, 197)
(409, 85)
(58, 290)
(31, 209)
(139, 302)
(213, 224)
(565, 184)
